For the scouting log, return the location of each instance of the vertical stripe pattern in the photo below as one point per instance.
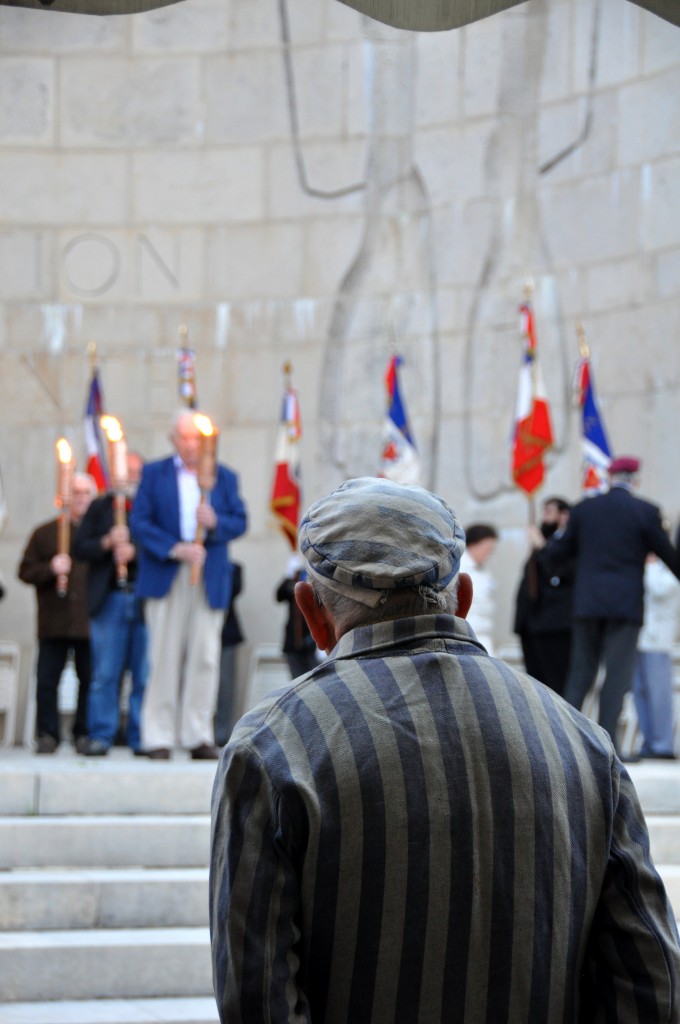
(415, 833)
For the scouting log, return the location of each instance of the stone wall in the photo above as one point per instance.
(294, 182)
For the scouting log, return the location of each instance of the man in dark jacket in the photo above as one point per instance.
(117, 629)
(62, 620)
(610, 535)
(544, 602)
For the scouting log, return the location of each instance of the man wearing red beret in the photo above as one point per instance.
(610, 536)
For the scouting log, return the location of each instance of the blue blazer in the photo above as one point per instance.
(155, 527)
(610, 535)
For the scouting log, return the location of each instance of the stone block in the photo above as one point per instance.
(105, 964)
(17, 796)
(668, 274)
(556, 60)
(254, 25)
(597, 155)
(664, 838)
(102, 841)
(26, 101)
(483, 62)
(462, 235)
(453, 160)
(357, 112)
(27, 262)
(331, 244)
(213, 185)
(660, 47)
(618, 55)
(245, 98)
(557, 126)
(649, 118)
(255, 260)
(438, 79)
(198, 27)
(660, 219)
(618, 284)
(344, 23)
(604, 210)
(307, 20)
(56, 188)
(331, 168)
(103, 898)
(29, 31)
(319, 90)
(116, 789)
(109, 101)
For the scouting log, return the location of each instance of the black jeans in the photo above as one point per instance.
(52, 655)
(614, 642)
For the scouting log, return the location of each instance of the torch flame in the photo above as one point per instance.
(63, 450)
(203, 425)
(112, 428)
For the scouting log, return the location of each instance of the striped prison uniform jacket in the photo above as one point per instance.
(415, 832)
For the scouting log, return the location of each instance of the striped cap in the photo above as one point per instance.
(371, 535)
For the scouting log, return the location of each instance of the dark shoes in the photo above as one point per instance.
(205, 752)
(158, 754)
(96, 748)
(46, 745)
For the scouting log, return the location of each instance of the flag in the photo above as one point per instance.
(96, 453)
(533, 429)
(286, 489)
(400, 461)
(596, 453)
(186, 376)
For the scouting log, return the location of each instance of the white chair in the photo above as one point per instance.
(9, 684)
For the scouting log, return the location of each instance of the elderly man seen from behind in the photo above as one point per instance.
(415, 832)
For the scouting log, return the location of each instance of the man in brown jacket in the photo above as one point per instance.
(62, 621)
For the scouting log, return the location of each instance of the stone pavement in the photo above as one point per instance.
(104, 884)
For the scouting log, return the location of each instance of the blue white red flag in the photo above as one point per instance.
(399, 459)
(596, 453)
(533, 433)
(287, 487)
(96, 452)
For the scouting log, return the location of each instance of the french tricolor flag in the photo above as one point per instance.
(96, 453)
(399, 459)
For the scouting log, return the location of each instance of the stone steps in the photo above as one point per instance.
(196, 1010)
(79, 898)
(105, 841)
(104, 892)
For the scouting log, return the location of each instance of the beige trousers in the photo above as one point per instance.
(184, 650)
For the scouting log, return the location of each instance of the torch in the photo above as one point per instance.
(65, 468)
(118, 470)
(206, 475)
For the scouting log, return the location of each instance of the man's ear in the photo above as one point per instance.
(315, 616)
(464, 595)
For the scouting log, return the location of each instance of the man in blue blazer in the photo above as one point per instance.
(184, 618)
(610, 535)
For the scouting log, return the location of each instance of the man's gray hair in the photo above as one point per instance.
(394, 604)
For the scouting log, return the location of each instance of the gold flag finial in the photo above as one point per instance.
(582, 343)
(183, 334)
(528, 287)
(92, 354)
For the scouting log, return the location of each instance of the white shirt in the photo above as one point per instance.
(189, 498)
(482, 611)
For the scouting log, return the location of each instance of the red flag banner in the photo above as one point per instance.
(286, 490)
(533, 434)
